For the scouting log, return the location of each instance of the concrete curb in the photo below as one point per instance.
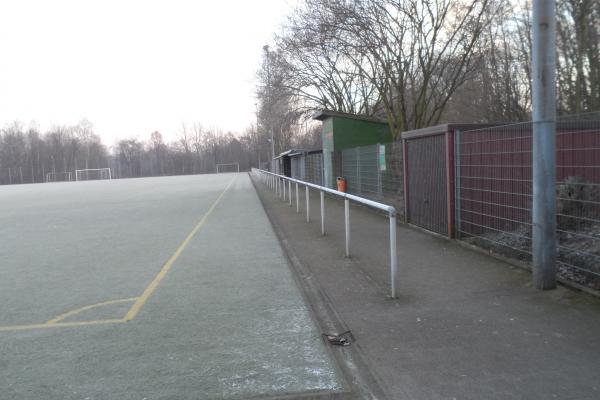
(363, 383)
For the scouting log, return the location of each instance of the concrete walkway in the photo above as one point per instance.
(466, 326)
(199, 303)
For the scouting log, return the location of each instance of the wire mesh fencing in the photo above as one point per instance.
(374, 172)
(360, 168)
(313, 168)
(494, 193)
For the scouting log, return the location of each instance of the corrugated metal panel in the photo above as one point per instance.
(427, 185)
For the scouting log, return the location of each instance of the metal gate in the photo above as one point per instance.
(427, 191)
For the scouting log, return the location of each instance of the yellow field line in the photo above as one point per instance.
(78, 310)
(60, 324)
(136, 307)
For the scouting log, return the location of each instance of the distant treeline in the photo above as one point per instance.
(28, 155)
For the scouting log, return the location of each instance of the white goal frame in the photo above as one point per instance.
(51, 176)
(108, 176)
(228, 164)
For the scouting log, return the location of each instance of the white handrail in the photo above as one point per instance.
(277, 182)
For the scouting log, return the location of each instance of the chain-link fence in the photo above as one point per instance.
(494, 193)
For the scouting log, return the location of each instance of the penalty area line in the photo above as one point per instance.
(137, 306)
(60, 325)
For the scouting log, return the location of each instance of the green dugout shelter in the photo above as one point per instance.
(343, 131)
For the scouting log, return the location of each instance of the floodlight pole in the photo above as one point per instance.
(544, 144)
(273, 153)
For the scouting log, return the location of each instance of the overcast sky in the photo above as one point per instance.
(133, 66)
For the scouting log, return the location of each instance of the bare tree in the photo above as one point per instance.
(404, 59)
(158, 148)
(278, 107)
(315, 69)
(578, 48)
(498, 87)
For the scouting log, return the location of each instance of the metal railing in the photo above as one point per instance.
(277, 183)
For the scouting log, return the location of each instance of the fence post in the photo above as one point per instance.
(297, 199)
(457, 183)
(283, 184)
(290, 191)
(347, 225)
(307, 205)
(544, 144)
(393, 255)
(322, 213)
(358, 180)
(378, 149)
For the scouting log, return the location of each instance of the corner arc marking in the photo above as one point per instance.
(85, 308)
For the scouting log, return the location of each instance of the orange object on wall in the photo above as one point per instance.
(341, 184)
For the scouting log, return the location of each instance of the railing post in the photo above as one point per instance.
(393, 255)
(307, 205)
(297, 199)
(347, 225)
(283, 184)
(290, 191)
(322, 213)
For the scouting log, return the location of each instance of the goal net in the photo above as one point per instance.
(64, 176)
(92, 174)
(231, 167)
